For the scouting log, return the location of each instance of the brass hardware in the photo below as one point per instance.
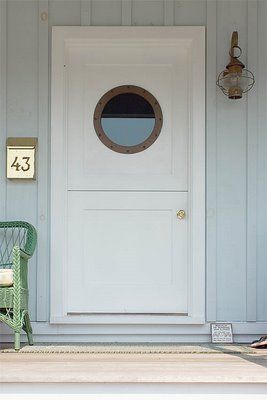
(235, 79)
(181, 214)
(21, 157)
(127, 90)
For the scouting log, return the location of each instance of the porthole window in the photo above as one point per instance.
(128, 119)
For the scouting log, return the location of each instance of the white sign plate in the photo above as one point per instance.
(221, 333)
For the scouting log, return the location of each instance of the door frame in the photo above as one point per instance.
(194, 37)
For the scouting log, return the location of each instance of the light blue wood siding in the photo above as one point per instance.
(236, 135)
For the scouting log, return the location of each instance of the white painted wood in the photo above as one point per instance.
(169, 331)
(252, 165)
(43, 160)
(59, 13)
(196, 178)
(196, 207)
(126, 253)
(211, 167)
(58, 183)
(160, 67)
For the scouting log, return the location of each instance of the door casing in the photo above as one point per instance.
(62, 39)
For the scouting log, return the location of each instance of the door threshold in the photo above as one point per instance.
(105, 313)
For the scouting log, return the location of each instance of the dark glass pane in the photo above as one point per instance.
(128, 105)
(128, 119)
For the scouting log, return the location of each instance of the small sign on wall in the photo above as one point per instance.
(221, 333)
(21, 158)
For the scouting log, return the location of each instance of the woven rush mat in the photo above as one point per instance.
(129, 348)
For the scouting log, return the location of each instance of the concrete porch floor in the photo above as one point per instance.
(134, 368)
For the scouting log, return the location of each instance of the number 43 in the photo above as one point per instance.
(25, 167)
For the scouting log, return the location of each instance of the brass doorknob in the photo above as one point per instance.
(180, 214)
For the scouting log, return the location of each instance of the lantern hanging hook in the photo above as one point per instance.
(234, 46)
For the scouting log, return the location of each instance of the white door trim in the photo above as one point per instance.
(61, 38)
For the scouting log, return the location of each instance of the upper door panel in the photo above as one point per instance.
(162, 68)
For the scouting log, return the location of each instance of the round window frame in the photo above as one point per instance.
(133, 90)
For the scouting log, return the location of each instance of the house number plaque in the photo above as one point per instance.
(21, 158)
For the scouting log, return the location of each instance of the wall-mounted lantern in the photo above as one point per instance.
(235, 79)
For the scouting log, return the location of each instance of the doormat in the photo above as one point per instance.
(129, 348)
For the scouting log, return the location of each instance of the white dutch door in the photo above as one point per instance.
(127, 100)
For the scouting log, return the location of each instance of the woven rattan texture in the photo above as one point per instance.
(17, 245)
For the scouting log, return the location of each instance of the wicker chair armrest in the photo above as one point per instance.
(24, 255)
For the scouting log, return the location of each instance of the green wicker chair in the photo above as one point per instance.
(17, 245)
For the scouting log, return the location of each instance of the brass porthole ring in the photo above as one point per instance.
(128, 89)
